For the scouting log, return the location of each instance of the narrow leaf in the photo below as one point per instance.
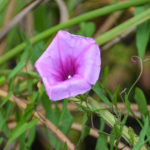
(20, 65)
(144, 131)
(85, 128)
(102, 142)
(21, 129)
(142, 33)
(106, 70)
(96, 88)
(141, 101)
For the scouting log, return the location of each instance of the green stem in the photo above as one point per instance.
(109, 118)
(87, 16)
(133, 22)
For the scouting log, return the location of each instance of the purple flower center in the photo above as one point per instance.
(68, 69)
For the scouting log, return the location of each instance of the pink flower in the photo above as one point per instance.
(69, 66)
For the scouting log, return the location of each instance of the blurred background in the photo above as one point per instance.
(22, 19)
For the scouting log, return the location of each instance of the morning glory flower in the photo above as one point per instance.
(69, 66)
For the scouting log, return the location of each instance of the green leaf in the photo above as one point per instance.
(119, 132)
(22, 141)
(87, 29)
(132, 135)
(40, 13)
(114, 99)
(85, 128)
(20, 65)
(3, 124)
(31, 137)
(37, 51)
(112, 139)
(50, 114)
(3, 4)
(142, 33)
(102, 142)
(106, 70)
(1, 140)
(65, 147)
(144, 131)
(96, 88)
(3, 118)
(20, 129)
(30, 86)
(2, 80)
(71, 4)
(8, 109)
(115, 1)
(65, 121)
(47, 105)
(102, 124)
(5, 100)
(141, 101)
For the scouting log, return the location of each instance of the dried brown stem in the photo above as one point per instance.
(118, 39)
(63, 11)
(60, 136)
(108, 23)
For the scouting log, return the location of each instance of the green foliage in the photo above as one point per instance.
(1, 140)
(98, 90)
(3, 4)
(87, 29)
(141, 101)
(142, 33)
(143, 133)
(2, 80)
(71, 4)
(115, 1)
(40, 14)
(114, 97)
(62, 119)
(20, 129)
(3, 124)
(5, 100)
(20, 65)
(85, 128)
(106, 70)
(102, 124)
(102, 142)
(102, 138)
(66, 119)
(37, 51)
(31, 137)
(112, 139)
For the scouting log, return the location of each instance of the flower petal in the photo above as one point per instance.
(69, 88)
(89, 64)
(72, 45)
(78, 85)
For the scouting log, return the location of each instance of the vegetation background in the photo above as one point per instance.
(114, 114)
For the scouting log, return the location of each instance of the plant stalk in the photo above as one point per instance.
(109, 118)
